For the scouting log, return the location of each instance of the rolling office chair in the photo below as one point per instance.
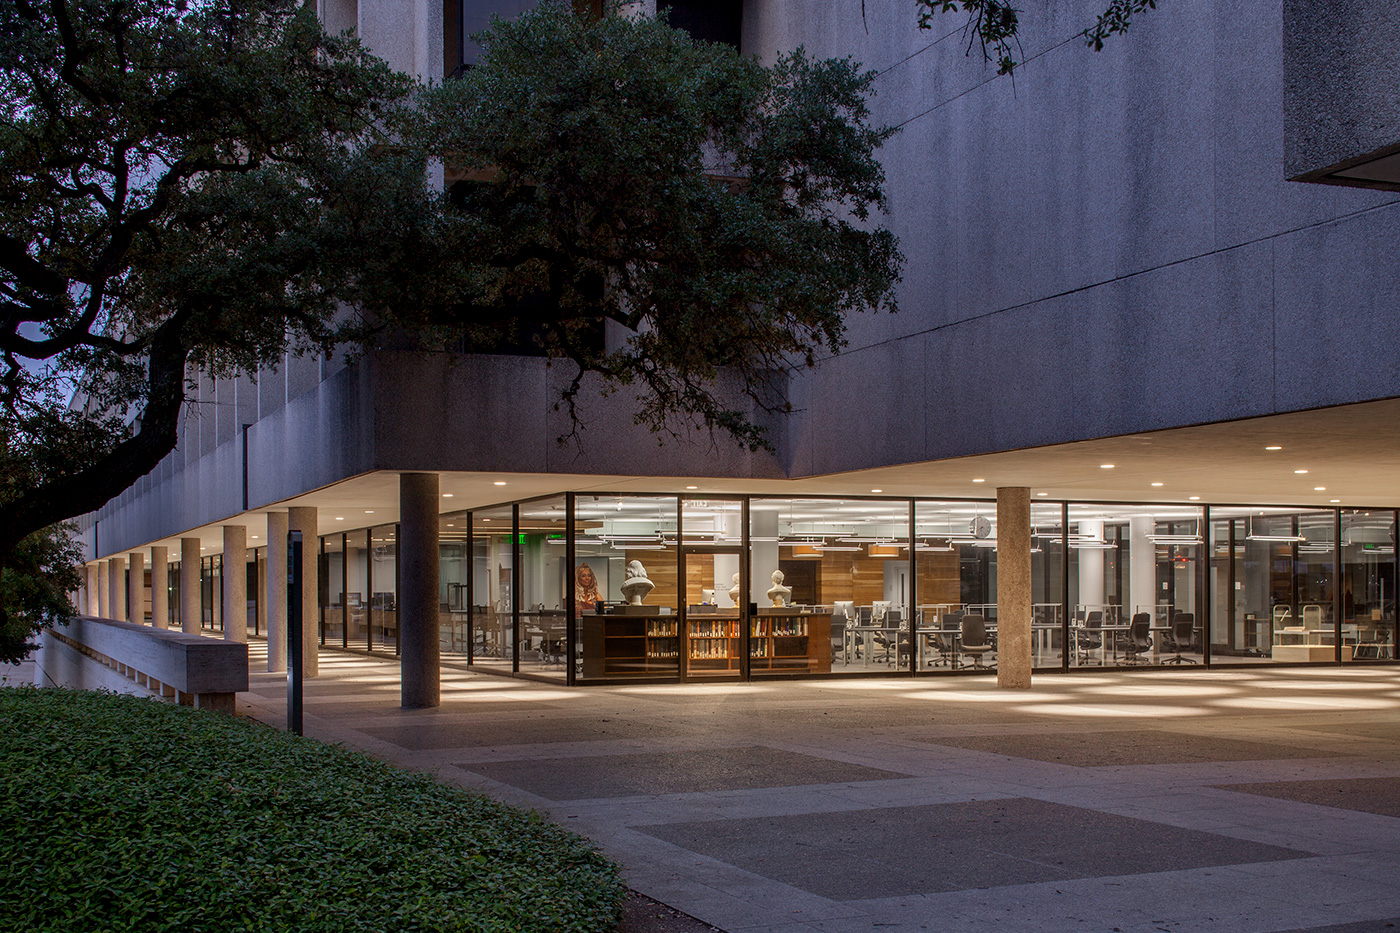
(942, 641)
(1139, 639)
(838, 634)
(1091, 635)
(1183, 634)
(893, 618)
(974, 638)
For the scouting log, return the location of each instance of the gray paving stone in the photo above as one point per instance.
(1368, 795)
(947, 847)
(1103, 749)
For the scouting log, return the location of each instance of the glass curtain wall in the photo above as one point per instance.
(626, 587)
(1368, 584)
(384, 585)
(830, 579)
(1276, 572)
(1136, 585)
(955, 559)
(545, 581)
(333, 590)
(357, 561)
(453, 599)
(172, 602)
(493, 588)
(1047, 585)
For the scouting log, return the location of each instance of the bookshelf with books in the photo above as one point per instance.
(636, 641)
(790, 641)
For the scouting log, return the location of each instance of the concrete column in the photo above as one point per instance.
(1014, 587)
(116, 583)
(235, 604)
(419, 669)
(189, 585)
(160, 586)
(93, 606)
(275, 591)
(1091, 590)
(303, 519)
(136, 587)
(104, 590)
(1142, 566)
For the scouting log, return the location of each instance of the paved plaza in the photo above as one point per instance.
(1255, 800)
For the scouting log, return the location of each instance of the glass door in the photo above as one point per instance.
(711, 613)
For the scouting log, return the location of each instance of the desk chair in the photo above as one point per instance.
(942, 642)
(894, 619)
(974, 638)
(1091, 635)
(1139, 639)
(838, 635)
(1183, 634)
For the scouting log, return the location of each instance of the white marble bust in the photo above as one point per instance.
(636, 586)
(779, 594)
(734, 591)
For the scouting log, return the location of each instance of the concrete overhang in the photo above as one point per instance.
(1352, 452)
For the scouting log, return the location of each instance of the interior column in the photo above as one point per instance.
(1142, 561)
(1091, 592)
(136, 587)
(303, 518)
(1014, 587)
(275, 591)
(160, 586)
(235, 602)
(116, 583)
(189, 586)
(419, 670)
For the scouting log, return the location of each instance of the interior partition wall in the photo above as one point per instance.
(493, 626)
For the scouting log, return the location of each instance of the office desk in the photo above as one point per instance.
(867, 635)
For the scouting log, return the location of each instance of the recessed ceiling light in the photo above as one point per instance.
(1273, 448)
(255, 537)
(1042, 494)
(1106, 466)
(369, 511)
(447, 495)
(1300, 471)
(979, 481)
(340, 518)
(692, 487)
(450, 525)
(499, 482)
(1319, 489)
(486, 519)
(1334, 500)
(1156, 484)
(877, 490)
(1194, 498)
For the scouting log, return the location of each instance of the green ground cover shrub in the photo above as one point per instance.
(120, 813)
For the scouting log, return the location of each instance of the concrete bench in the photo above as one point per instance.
(102, 654)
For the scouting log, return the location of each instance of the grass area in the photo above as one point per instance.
(120, 813)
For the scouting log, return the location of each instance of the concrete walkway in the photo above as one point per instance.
(1260, 800)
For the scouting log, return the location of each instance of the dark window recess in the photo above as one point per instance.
(709, 20)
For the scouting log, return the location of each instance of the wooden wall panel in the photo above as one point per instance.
(662, 571)
(940, 577)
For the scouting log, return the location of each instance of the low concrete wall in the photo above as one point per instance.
(100, 654)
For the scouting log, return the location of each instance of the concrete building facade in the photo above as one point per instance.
(1128, 326)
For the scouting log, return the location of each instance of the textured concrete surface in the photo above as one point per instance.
(1102, 801)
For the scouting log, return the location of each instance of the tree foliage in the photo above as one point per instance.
(717, 211)
(34, 588)
(206, 187)
(995, 25)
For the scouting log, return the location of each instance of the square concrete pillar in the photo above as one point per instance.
(235, 601)
(275, 591)
(189, 585)
(104, 590)
(419, 649)
(1014, 587)
(303, 519)
(93, 605)
(116, 584)
(160, 586)
(136, 587)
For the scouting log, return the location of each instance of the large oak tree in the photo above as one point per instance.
(205, 187)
